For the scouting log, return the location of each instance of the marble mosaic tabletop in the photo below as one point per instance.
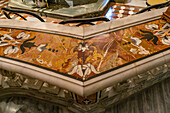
(84, 59)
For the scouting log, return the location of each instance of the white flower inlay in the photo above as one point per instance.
(152, 26)
(134, 51)
(23, 35)
(11, 49)
(143, 50)
(166, 40)
(88, 68)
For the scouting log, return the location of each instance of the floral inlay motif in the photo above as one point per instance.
(83, 59)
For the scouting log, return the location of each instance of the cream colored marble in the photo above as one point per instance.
(43, 27)
(149, 63)
(167, 57)
(123, 23)
(141, 3)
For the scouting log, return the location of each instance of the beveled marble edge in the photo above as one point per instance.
(57, 79)
(83, 32)
(123, 23)
(71, 31)
(90, 86)
(98, 83)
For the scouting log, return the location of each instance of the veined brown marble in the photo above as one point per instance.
(85, 58)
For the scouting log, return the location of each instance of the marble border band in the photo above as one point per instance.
(59, 29)
(83, 32)
(90, 86)
(126, 72)
(42, 74)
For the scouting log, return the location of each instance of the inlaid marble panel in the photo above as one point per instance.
(124, 46)
(83, 59)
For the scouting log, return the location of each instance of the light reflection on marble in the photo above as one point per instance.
(83, 59)
(109, 14)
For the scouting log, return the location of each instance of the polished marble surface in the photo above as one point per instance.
(82, 59)
(85, 59)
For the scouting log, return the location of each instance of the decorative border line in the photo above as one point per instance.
(84, 32)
